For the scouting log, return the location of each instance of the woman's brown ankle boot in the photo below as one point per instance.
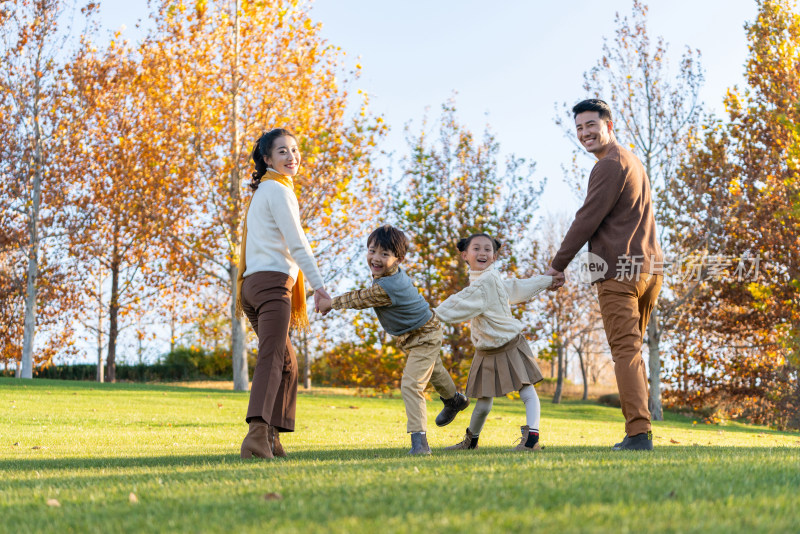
(275, 442)
(255, 442)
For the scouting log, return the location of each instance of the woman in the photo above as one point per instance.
(274, 261)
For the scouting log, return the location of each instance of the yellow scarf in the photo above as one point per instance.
(299, 318)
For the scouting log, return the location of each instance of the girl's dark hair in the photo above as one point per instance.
(463, 244)
(264, 148)
(389, 238)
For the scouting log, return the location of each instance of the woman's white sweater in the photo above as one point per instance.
(275, 238)
(486, 304)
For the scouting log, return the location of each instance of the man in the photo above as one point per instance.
(617, 220)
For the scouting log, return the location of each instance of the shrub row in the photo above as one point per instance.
(183, 363)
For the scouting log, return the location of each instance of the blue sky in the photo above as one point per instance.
(509, 61)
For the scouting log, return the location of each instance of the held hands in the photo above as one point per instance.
(559, 278)
(319, 295)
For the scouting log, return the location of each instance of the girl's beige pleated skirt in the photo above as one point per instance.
(497, 372)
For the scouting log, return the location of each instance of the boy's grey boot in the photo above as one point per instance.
(451, 409)
(466, 443)
(419, 444)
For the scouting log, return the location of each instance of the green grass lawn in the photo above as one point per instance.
(90, 446)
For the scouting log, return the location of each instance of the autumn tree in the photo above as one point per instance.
(124, 190)
(655, 110)
(454, 186)
(245, 67)
(740, 179)
(33, 39)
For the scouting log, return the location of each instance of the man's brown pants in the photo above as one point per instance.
(625, 306)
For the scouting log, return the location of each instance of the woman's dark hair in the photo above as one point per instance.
(389, 238)
(463, 244)
(592, 104)
(264, 148)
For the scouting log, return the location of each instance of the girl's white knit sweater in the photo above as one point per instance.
(486, 304)
(275, 238)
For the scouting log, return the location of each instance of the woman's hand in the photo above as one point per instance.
(320, 294)
(324, 306)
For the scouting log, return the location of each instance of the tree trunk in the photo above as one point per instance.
(100, 377)
(100, 370)
(241, 380)
(583, 375)
(560, 379)
(32, 274)
(113, 326)
(653, 339)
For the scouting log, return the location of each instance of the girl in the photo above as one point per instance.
(271, 289)
(503, 360)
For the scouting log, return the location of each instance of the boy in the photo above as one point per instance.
(404, 314)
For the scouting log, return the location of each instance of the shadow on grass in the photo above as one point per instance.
(391, 454)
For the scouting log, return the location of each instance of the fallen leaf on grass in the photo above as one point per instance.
(354, 407)
(671, 494)
(219, 405)
(273, 496)
(53, 502)
(132, 498)
(673, 441)
(37, 447)
(17, 444)
(761, 435)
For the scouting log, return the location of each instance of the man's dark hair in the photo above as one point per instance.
(593, 104)
(389, 238)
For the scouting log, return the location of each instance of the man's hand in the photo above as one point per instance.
(320, 294)
(559, 278)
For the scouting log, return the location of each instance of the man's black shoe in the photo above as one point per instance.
(639, 442)
(451, 409)
(621, 442)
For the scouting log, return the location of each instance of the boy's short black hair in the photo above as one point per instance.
(389, 238)
(593, 104)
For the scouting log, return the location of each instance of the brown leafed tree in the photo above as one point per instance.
(124, 192)
(741, 180)
(245, 67)
(34, 36)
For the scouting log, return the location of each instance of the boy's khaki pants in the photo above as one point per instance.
(423, 365)
(625, 306)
